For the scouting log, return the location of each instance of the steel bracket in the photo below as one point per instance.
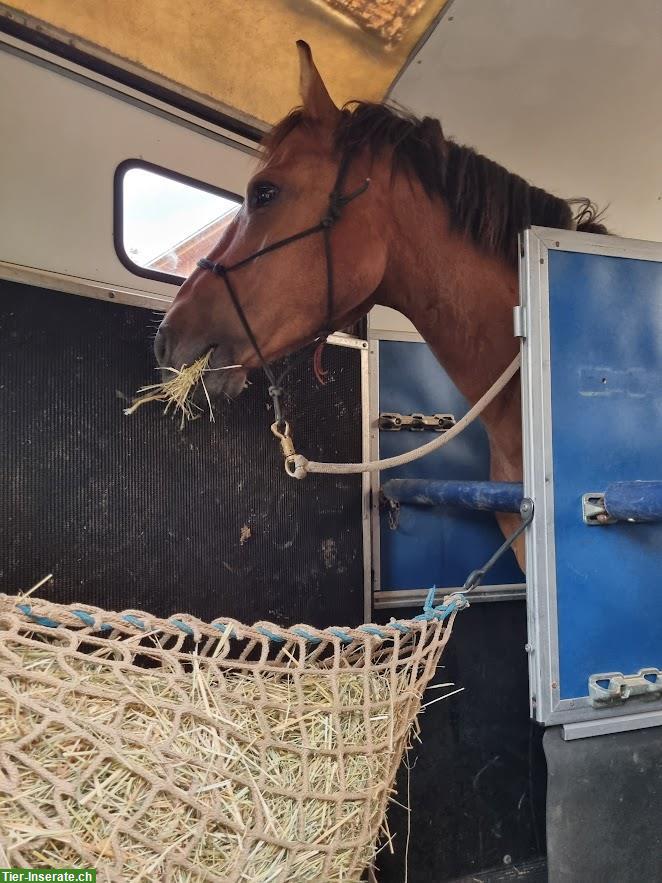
(416, 422)
(594, 511)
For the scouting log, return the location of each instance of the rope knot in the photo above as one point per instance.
(451, 603)
(336, 204)
(296, 466)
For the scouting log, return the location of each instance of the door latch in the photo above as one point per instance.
(615, 688)
(594, 510)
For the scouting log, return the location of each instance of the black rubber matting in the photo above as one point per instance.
(132, 512)
(478, 778)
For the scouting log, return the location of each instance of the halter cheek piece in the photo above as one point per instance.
(337, 202)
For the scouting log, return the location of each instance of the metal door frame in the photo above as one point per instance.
(412, 597)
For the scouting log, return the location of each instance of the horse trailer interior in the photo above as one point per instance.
(234, 590)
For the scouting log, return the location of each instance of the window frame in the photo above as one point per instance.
(118, 212)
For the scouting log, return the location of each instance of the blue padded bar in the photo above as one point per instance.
(634, 500)
(490, 496)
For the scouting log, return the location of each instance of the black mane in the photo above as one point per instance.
(485, 201)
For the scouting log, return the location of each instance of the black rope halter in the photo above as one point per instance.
(337, 202)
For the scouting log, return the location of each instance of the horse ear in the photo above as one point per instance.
(317, 103)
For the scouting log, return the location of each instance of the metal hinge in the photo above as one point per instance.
(615, 688)
(519, 321)
(416, 422)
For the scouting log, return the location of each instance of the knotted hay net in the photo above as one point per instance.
(178, 750)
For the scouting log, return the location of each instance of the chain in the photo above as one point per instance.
(392, 510)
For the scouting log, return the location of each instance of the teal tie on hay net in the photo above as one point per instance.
(455, 602)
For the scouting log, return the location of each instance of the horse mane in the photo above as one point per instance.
(485, 201)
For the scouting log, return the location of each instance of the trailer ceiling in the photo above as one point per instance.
(241, 55)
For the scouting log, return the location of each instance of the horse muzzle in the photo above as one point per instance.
(223, 375)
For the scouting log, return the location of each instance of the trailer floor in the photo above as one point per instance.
(527, 872)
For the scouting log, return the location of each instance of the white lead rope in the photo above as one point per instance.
(297, 466)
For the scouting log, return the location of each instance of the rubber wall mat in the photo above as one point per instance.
(477, 779)
(134, 512)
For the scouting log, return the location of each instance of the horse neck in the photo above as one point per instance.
(460, 300)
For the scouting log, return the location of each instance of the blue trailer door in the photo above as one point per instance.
(593, 416)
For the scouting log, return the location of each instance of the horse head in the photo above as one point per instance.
(303, 257)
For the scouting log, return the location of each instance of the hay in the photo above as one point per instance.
(176, 393)
(221, 755)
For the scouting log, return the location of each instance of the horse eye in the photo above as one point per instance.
(263, 193)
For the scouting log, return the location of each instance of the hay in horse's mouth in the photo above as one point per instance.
(177, 392)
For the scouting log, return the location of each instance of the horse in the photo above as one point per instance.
(364, 205)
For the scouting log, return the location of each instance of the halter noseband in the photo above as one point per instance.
(337, 202)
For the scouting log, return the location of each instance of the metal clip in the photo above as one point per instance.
(284, 437)
(615, 688)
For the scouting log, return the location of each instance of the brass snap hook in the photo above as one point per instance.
(284, 437)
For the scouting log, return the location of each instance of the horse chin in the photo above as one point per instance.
(228, 384)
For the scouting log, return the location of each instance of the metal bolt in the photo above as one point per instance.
(554, 685)
(528, 648)
(507, 860)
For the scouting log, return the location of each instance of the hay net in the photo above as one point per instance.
(178, 750)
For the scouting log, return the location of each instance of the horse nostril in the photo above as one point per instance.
(161, 344)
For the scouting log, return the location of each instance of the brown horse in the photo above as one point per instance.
(434, 236)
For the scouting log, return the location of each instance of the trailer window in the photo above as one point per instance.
(165, 222)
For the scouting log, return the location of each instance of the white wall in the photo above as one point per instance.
(63, 138)
(567, 93)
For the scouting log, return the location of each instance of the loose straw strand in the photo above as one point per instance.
(176, 392)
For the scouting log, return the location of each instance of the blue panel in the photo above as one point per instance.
(606, 372)
(433, 546)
